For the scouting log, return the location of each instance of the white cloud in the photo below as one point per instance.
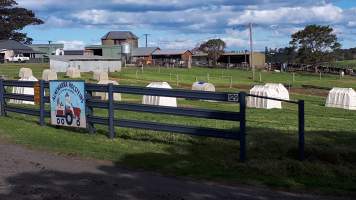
(290, 15)
(54, 21)
(72, 44)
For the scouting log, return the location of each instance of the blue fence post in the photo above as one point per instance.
(2, 99)
(111, 111)
(301, 129)
(42, 103)
(242, 101)
(90, 113)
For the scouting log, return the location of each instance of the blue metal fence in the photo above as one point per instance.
(111, 106)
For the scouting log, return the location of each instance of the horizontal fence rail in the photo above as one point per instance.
(111, 106)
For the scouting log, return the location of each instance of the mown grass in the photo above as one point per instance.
(272, 138)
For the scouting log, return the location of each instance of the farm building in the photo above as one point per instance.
(143, 55)
(10, 48)
(120, 38)
(47, 49)
(238, 59)
(172, 57)
(84, 63)
(111, 51)
(78, 53)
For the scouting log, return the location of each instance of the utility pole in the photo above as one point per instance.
(50, 47)
(146, 36)
(251, 52)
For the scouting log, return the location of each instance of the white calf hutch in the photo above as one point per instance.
(261, 90)
(280, 89)
(342, 98)
(99, 75)
(25, 73)
(73, 72)
(85, 63)
(24, 90)
(159, 100)
(49, 75)
(105, 95)
(202, 86)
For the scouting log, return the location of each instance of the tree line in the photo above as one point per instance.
(314, 44)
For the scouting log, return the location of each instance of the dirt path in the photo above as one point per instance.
(34, 175)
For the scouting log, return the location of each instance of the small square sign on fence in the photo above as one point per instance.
(68, 103)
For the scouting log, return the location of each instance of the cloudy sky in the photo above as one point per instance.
(186, 23)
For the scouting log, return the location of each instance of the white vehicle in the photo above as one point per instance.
(18, 58)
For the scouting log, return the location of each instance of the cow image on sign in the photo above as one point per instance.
(68, 103)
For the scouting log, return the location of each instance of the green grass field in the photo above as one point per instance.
(272, 134)
(345, 64)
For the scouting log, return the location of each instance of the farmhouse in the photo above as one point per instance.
(237, 59)
(84, 63)
(10, 48)
(172, 57)
(143, 55)
(120, 38)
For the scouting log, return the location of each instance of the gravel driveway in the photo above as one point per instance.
(35, 175)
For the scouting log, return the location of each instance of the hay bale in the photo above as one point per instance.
(104, 95)
(25, 73)
(100, 75)
(49, 75)
(73, 72)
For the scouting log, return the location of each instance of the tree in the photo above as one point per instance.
(214, 48)
(315, 44)
(13, 19)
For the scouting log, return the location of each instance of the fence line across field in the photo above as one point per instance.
(111, 106)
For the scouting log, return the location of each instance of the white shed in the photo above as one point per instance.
(342, 98)
(104, 95)
(85, 63)
(159, 100)
(24, 90)
(49, 75)
(261, 90)
(202, 86)
(281, 90)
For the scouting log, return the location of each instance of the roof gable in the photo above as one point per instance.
(144, 51)
(170, 52)
(119, 35)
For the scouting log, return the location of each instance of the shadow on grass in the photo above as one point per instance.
(271, 162)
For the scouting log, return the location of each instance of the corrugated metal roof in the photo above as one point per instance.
(170, 52)
(119, 35)
(82, 58)
(14, 45)
(74, 52)
(143, 51)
